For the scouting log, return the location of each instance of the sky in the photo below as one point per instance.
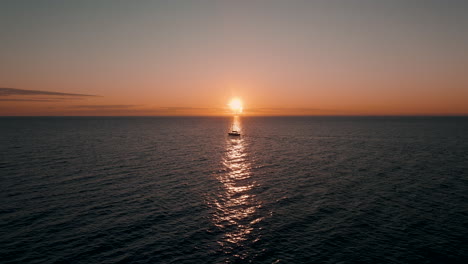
(349, 57)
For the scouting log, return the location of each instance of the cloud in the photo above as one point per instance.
(139, 110)
(288, 111)
(182, 109)
(21, 92)
(38, 100)
(97, 107)
(279, 109)
(27, 100)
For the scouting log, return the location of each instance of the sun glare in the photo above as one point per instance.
(236, 105)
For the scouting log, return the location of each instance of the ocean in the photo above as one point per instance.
(180, 190)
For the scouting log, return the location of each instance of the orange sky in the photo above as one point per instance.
(280, 57)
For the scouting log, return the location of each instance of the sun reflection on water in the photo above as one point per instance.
(236, 206)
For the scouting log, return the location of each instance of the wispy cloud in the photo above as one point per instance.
(14, 91)
(140, 110)
(184, 109)
(97, 107)
(59, 99)
(27, 100)
(288, 111)
(277, 109)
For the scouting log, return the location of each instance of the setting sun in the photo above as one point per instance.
(236, 105)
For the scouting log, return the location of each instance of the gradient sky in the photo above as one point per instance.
(369, 57)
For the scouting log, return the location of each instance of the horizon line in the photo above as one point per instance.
(399, 115)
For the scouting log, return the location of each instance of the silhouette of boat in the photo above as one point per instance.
(234, 132)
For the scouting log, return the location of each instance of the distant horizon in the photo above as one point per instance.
(230, 116)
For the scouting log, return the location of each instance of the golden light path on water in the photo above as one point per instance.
(236, 205)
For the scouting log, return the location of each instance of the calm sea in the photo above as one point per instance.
(179, 190)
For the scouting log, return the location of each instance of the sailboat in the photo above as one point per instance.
(234, 132)
(236, 107)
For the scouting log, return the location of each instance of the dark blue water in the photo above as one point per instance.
(179, 190)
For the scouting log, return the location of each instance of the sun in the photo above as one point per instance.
(236, 105)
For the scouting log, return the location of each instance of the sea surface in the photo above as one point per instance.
(179, 190)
